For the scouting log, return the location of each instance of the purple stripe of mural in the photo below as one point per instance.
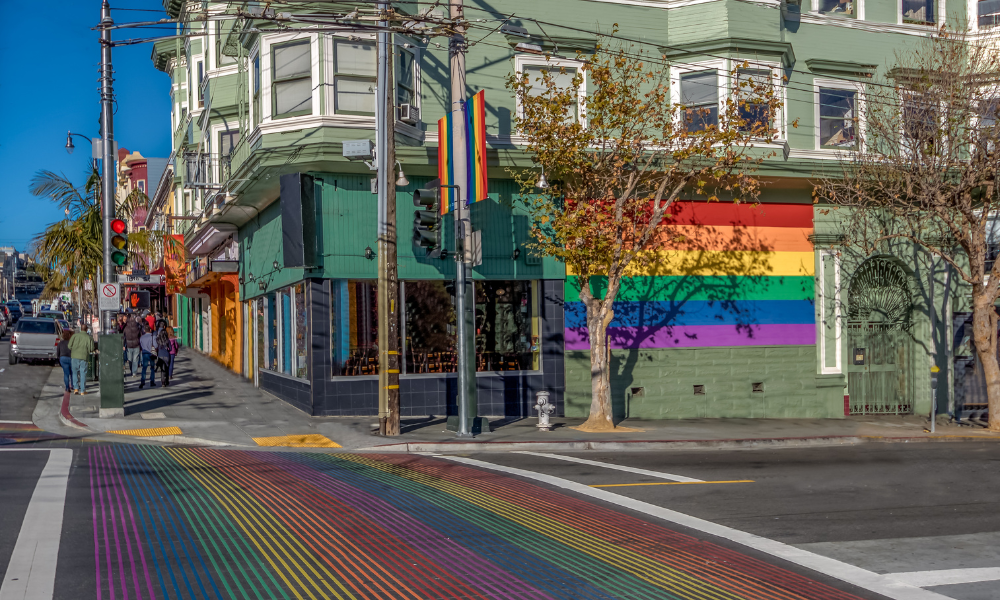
(697, 336)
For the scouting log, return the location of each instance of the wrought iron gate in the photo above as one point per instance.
(880, 360)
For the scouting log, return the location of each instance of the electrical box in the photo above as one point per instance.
(359, 150)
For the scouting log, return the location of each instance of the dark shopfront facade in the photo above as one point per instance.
(312, 341)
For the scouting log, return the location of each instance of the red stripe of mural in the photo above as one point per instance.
(747, 215)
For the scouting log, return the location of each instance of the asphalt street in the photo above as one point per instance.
(889, 508)
(20, 385)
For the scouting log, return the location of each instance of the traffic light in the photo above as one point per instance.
(427, 223)
(119, 242)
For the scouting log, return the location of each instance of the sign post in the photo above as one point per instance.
(110, 356)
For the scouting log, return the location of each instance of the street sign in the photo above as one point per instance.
(109, 296)
(138, 299)
(141, 279)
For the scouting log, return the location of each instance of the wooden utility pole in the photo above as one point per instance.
(388, 281)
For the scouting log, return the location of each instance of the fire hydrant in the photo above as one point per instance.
(544, 410)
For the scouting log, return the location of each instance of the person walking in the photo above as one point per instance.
(151, 321)
(163, 355)
(175, 346)
(66, 359)
(133, 353)
(81, 345)
(147, 345)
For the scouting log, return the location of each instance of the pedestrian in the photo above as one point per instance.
(175, 346)
(151, 321)
(163, 355)
(147, 345)
(66, 358)
(81, 345)
(133, 353)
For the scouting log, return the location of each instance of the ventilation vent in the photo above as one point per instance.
(699, 390)
(758, 387)
(638, 391)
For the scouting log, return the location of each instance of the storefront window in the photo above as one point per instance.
(272, 333)
(301, 332)
(355, 327)
(260, 317)
(506, 326)
(285, 297)
(429, 325)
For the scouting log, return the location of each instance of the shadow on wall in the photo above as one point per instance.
(723, 276)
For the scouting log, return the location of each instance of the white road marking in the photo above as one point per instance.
(947, 576)
(7, 422)
(880, 584)
(31, 572)
(595, 463)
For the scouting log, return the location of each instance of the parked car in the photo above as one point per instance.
(64, 324)
(34, 339)
(50, 314)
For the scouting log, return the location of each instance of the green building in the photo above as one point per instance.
(782, 322)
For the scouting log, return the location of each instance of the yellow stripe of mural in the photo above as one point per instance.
(737, 264)
(638, 565)
(272, 533)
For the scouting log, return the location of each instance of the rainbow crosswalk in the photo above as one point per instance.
(204, 523)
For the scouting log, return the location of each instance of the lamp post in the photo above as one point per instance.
(70, 147)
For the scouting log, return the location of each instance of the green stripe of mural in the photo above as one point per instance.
(700, 288)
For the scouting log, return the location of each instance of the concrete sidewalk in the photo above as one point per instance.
(208, 405)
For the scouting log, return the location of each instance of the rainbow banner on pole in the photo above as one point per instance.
(446, 166)
(475, 126)
(474, 121)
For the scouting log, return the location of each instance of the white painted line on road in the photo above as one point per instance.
(7, 422)
(594, 463)
(947, 576)
(31, 572)
(880, 584)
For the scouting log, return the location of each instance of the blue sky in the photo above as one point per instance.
(48, 86)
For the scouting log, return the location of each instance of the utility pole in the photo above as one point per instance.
(388, 282)
(108, 168)
(467, 398)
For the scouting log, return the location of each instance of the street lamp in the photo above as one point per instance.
(69, 141)
(402, 181)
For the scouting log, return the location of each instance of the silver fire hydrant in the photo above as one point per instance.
(544, 410)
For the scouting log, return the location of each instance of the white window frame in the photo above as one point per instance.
(415, 84)
(859, 105)
(821, 313)
(523, 60)
(720, 66)
(255, 55)
(330, 70)
(940, 15)
(266, 44)
(781, 91)
(216, 133)
(859, 10)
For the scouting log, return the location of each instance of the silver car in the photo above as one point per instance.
(34, 338)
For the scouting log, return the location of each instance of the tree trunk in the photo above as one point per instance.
(984, 331)
(599, 315)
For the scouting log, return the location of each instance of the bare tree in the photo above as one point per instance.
(924, 171)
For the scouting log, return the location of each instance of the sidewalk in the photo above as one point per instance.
(206, 404)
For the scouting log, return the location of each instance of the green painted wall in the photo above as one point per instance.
(668, 377)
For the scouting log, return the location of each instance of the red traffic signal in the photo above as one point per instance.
(117, 225)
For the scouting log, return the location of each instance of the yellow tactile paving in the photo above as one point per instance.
(149, 432)
(312, 440)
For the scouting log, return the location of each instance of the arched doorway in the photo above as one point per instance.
(880, 364)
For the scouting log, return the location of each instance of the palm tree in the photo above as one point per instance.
(71, 250)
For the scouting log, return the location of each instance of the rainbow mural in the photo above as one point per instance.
(729, 275)
(203, 523)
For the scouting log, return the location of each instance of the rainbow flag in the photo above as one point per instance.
(446, 166)
(475, 127)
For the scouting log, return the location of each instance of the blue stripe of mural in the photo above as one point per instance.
(700, 312)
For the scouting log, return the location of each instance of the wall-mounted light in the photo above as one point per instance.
(241, 280)
(276, 266)
(401, 181)
(515, 254)
(250, 277)
(369, 253)
(262, 285)
(542, 183)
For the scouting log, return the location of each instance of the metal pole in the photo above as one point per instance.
(108, 168)
(933, 346)
(388, 283)
(467, 398)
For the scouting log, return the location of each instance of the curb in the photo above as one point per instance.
(67, 418)
(752, 443)
(170, 439)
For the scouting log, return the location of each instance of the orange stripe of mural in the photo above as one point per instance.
(728, 238)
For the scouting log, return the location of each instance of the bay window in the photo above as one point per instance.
(405, 78)
(752, 87)
(291, 85)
